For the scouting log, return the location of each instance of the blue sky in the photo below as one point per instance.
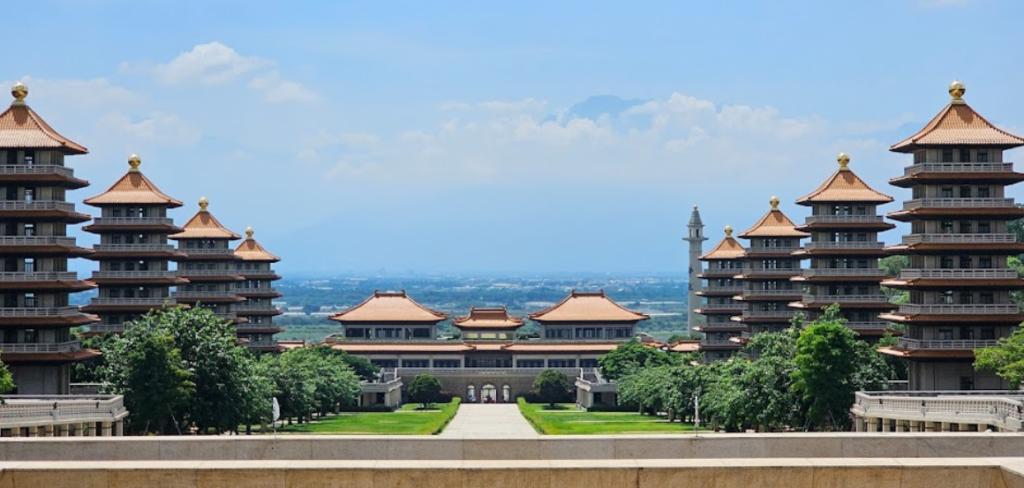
(531, 137)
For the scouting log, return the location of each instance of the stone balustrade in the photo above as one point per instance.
(959, 239)
(1003, 410)
(36, 169)
(957, 168)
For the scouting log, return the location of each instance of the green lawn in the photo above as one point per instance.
(566, 419)
(406, 420)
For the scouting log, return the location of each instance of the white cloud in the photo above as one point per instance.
(528, 105)
(208, 64)
(274, 89)
(158, 127)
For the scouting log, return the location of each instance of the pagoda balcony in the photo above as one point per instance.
(187, 294)
(208, 252)
(207, 272)
(771, 271)
(39, 276)
(879, 298)
(958, 203)
(141, 247)
(770, 293)
(246, 305)
(718, 343)
(844, 245)
(44, 347)
(38, 205)
(877, 325)
(37, 241)
(959, 239)
(147, 274)
(958, 274)
(106, 328)
(845, 219)
(962, 345)
(772, 249)
(36, 169)
(841, 272)
(769, 313)
(249, 291)
(988, 309)
(132, 302)
(958, 168)
(226, 315)
(721, 306)
(132, 221)
(39, 311)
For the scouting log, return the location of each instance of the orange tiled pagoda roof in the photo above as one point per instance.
(727, 248)
(844, 186)
(587, 307)
(774, 224)
(204, 226)
(389, 307)
(488, 318)
(250, 250)
(958, 124)
(21, 127)
(135, 188)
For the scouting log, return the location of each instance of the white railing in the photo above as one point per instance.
(1005, 309)
(132, 221)
(718, 342)
(722, 306)
(15, 348)
(1003, 409)
(38, 205)
(250, 325)
(958, 203)
(40, 276)
(772, 293)
(243, 291)
(104, 328)
(844, 272)
(207, 272)
(770, 250)
(256, 306)
(963, 344)
(54, 408)
(769, 271)
(868, 325)
(958, 274)
(844, 245)
(411, 372)
(134, 274)
(769, 313)
(142, 247)
(200, 252)
(959, 238)
(36, 169)
(204, 294)
(846, 298)
(958, 168)
(37, 241)
(39, 312)
(148, 302)
(845, 219)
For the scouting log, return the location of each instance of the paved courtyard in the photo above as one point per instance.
(488, 421)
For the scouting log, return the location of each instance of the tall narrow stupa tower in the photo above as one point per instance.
(696, 239)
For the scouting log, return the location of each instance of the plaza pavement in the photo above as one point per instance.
(489, 421)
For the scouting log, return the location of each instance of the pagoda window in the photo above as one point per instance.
(143, 266)
(415, 363)
(30, 194)
(30, 229)
(965, 155)
(946, 192)
(984, 228)
(447, 363)
(965, 262)
(385, 363)
(30, 265)
(355, 332)
(421, 333)
(965, 227)
(945, 334)
(561, 363)
(986, 298)
(115, 212)
(115, 266)
(947, 155)
(947, 226)
(529, 363)
(965, 192)
(190, 244)
(30, 300)
(862, 290)
(30, 157)
(129, 266)
(982, 156)
(862, 210)
(985, 262)
(919, 156)
(966, 334)
(12, 158)
(31, 336)
(946, 297)
(988, 334)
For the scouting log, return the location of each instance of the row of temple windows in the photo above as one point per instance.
(848, 209)
(30, 265)
(205, 244)
(32, 229)
(773, 242)
(778, 264)
(964, 334)
(388, 333)
(135, 292)
(135, 266)
(845, 236)
(850, 290)
(773, 285)
(32, 300)
(961, 227)
(962, 191)
(32, 194)
(946, 156)
(130, 212)
(965, 262)
(588, 333)
(949, 297)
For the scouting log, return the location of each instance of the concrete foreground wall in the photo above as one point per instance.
(711, 473)
(379, 448)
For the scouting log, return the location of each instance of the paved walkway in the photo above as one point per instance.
(488, 421)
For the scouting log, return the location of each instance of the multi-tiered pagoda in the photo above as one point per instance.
(844, 252)
(209, 265)
(768, 266)
(258, 290)
(958, 278)
(133, 253)
(35, 315)
(725, 261)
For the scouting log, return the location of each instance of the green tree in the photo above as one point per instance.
(632, 355)
(1006, 358)
(425, 389)
(551, 386)
(6, 380)
(824, 378)
(91, 370)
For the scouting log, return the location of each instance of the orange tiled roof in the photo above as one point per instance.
(685, 346)
(487, 318)
(958, 124)
(22, 127)
(204, 226)
(250, 250)
(389, 307)
(844, 186)
(774, 224)
(580, 306)
(728, 248)
(133, 187)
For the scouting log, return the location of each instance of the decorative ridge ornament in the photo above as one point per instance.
(19, 91)
(775, 202)
(844, 161)
(134, 161)
(203, 203)
(248, 233)
(728, 231)
(957, 90)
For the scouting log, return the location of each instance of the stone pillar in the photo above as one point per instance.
(65, 430)
(872, 424)
(32, 431)
(945, 426)
(982, 427)
(886, 425)
(915, 426)
(929, 426)
(47, 430)
(119, 428)
(964, 428)
(15, 431)
(900, 426)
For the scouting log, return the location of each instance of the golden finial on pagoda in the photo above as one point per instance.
(728, 231)
(957, 90)
(203, 203)
(134, 161)
(248, 232)
(775, 202)
(19, 91)
(844, 161)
